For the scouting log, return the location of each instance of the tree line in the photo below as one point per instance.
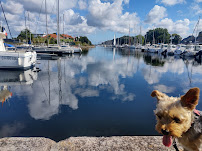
(24, 36)
(158, 35)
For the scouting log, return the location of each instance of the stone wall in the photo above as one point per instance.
(115, 143)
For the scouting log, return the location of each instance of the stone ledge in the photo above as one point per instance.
(120, 143)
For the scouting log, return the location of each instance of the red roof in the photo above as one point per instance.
(66, 36)
(61, 36)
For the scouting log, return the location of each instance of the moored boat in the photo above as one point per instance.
(15, 59)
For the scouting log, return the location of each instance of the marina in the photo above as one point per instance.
(96, 75)
(102, 93)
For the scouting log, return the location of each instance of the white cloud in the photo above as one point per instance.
(196, 8)
(155, 14)
(13, 7)
(172, 2)
(180, 27)
(72, 18)
(198, 1)
(109, 16)
(82, 4)
(164, 88)
(36, 5)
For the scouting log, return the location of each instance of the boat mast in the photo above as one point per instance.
(26, 28)
(153, 38)
(63, 25)
(129, 36)
(58, 29)
(29, 30)
(46, 24)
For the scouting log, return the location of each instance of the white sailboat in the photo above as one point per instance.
(114, 43)
(180, 49)
(65, 47)
(15, 59)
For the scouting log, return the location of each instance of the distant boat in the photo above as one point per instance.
(154, 48)
(15, 59)
(171, 49)
(180, 49)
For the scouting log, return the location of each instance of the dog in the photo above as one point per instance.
(177, 118)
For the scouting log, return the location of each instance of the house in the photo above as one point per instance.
(62, 36)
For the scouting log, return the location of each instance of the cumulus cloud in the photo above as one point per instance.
(72, 18)
(155, 14)
(13, 7)
(36, 5)
(164, 88)
(172, 2)
(180, 27)
(109, 16)
(82, 4)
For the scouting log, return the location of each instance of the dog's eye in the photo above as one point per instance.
(177, 120)
(159, 116)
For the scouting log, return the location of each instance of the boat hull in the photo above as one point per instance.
(17, 60)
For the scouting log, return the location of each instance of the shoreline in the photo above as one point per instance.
(123, 143)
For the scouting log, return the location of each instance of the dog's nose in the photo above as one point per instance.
(165, 132)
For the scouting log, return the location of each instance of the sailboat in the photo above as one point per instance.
(65, 48)
(15, 59)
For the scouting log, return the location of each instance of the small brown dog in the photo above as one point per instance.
(176, 119)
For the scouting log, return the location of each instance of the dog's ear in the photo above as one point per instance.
(190, 99)
(158, 95)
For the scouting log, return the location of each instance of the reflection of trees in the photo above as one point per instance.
(154, 61)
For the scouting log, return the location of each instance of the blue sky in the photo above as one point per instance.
(101, 19)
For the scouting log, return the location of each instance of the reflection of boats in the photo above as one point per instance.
(17, 77)
(5, 94)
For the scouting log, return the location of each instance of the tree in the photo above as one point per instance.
(160, 35)
(85, 40)
(139, 39)
(22, 36)
(176, 39)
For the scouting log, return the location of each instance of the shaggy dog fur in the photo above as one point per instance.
(176, 119)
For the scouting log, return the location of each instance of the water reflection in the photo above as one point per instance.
(63, 81)
(79, 88)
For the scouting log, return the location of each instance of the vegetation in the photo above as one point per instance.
(25, 35)
(176, 39)
(84, 41)
(160, 36)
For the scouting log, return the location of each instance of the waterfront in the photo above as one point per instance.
(105, 92)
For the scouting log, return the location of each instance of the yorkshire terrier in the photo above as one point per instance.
(178, 118)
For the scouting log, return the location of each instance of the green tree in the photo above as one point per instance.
(176, 39)
(139, 39)
(22, 36)
(85, 40)
(160, 35)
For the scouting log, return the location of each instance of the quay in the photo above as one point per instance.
(115, 143)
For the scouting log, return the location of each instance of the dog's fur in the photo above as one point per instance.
(176, 117)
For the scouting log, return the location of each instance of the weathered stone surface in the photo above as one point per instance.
(115, 143)
(26, 144)
(134, 143)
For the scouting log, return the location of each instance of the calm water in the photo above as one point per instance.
(103, 93)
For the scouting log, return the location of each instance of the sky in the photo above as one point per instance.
(99, 20)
